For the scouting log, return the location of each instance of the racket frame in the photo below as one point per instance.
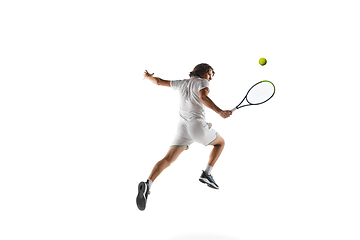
(249, 104)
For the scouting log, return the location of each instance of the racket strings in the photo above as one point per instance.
(260, 92)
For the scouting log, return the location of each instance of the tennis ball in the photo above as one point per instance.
(262, 61)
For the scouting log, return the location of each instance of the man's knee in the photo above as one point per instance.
(219, 142)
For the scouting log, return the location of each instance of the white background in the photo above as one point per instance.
(80, 128)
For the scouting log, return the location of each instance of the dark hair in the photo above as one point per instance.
(200, 69)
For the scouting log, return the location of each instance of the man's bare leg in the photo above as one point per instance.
(219, 145)
(144, 187)
(206, 177)
(173, 153)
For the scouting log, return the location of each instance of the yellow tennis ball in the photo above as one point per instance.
(262, 61)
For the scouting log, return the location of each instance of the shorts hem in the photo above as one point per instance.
(212, 140)
(181, 146)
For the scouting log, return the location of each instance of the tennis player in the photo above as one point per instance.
(192, 127)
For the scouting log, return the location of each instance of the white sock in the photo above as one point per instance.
(149, 183)
(208, 169)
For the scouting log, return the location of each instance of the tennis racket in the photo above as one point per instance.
(259, 93)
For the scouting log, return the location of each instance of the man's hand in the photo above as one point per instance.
(225, 114)
(147, 74)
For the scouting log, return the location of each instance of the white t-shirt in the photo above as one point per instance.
(191, 107)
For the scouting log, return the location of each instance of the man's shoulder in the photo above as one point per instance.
(178, 83)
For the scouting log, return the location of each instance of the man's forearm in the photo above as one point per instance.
(210, 104)
(159, 81)
(154, 80)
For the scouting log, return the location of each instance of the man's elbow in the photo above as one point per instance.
(157, 81)
(161, 82)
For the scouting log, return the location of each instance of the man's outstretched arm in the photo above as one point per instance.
(156, 80)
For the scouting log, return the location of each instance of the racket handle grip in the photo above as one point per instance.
(233, 110)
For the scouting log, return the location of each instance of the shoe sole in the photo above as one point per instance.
(210, 184)
(141, 198)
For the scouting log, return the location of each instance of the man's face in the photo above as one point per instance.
(207, 75)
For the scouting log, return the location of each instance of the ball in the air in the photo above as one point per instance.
(262, 61)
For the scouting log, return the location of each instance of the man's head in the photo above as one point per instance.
(203, 70)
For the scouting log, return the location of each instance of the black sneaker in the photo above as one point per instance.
(142, 196)
(209, 180)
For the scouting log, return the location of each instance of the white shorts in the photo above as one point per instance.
(194, 131)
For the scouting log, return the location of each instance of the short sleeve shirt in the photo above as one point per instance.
(191, 107)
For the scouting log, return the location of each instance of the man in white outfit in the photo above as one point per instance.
(192, 126)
